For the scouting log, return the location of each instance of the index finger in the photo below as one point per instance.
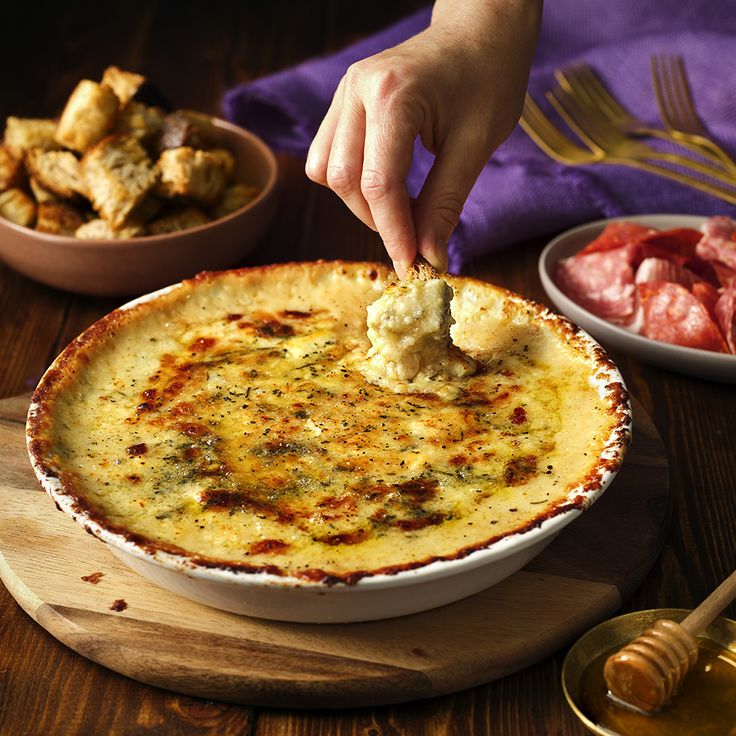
(389, 145)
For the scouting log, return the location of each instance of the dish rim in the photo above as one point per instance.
(605, 377)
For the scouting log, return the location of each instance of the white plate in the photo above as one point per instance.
(690, 361)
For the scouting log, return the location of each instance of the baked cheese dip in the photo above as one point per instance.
(411, 347)
(228, 421)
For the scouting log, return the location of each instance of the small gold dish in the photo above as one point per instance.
(579, 670)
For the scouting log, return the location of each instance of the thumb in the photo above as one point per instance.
(439, 204)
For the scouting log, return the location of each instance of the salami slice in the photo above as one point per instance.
(704, 270)
(708, 295)
(616, 235)
(672, 314)
(725, 310)
(663, 269)
(677, 244)
(719, 241)
(602, 282)
(726, 274)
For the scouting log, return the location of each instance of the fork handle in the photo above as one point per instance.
(698, 144)
(714, 189)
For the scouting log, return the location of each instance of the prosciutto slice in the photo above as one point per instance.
(672, 314)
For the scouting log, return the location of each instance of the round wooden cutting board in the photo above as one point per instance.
(133, 627)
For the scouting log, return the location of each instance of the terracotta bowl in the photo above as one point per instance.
(138, 265)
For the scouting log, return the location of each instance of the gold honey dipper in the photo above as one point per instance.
(648, 671)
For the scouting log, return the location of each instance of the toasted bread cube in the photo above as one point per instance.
(140, 121)
(40, 193)
(120, 178)
(11, 170)
(56, 171)
(123, 84)
(234, 198)
(177, 220)
(23, 134)
(58, 218)
(227, 160)
(18, 207)
(196, 175)
(100, 230)
(88, 117)
(187, 128)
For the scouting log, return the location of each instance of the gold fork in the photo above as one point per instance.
(583, 82)
(559, 147)
(612, 128)
(677, 109)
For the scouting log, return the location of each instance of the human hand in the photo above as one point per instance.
(460, 90)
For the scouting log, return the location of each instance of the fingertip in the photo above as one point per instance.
(401, 267)
(402, 252)
(436, 254)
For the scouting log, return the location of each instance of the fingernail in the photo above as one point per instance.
(401, 267)
(437, 256)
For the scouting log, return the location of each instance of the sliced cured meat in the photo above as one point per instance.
(662, 269)
(725, 311)
(672, 314)
(726, 275)
(676, 286)
(677, 244)
(602, 282)
(721, 227)
(707, 294)
(615, 235)
(719, 241)
(703, 269)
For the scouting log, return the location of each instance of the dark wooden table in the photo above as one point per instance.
(194, 51)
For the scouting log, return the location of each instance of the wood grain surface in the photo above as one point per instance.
(165, 640)
(194, 51)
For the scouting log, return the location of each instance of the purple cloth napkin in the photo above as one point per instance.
(521, 193)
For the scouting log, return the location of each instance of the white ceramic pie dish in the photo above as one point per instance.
(378, 596)
(690, 361)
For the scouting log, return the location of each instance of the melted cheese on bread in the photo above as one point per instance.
(411, 348)
(229, 421)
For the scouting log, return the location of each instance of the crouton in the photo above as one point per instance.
(58, 218)
(18, 207)
(120, 178)
(100, 230)
(187, 128)
(123, 84)
(56, 171)
(176, 220)
(23, 134)
(11, 170)
(195, 175)
(88, 117)
(234, 198)
(140, 121)
(40, 193)
(227, 160)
